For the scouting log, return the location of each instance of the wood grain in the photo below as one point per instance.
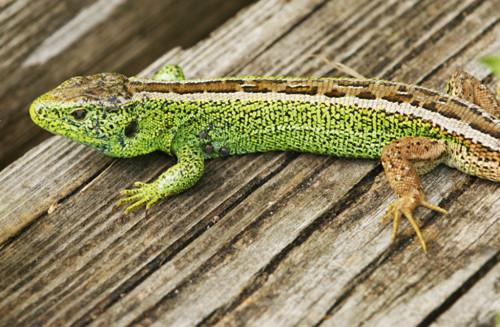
(86, 37)
(273, 239)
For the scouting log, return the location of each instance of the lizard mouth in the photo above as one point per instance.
(60, 127)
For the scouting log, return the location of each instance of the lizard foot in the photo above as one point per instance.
(145, 194)
(404, 207)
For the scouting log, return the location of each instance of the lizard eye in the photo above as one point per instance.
(79, 114)
(131, 128)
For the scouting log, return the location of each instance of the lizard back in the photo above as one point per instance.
(342, 117)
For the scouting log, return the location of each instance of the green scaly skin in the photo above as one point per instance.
(231, 127)
(128, 117)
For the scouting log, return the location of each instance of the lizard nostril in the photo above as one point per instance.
(36, 110)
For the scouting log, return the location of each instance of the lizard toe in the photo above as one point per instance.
(146, 194)
(404, 206)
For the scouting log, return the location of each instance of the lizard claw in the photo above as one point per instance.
(404, 207)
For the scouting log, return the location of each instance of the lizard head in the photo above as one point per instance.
(98, 111)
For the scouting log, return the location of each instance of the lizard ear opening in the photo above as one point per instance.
(131, 129)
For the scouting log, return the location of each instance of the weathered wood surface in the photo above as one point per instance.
(274, 239)
(44, 42)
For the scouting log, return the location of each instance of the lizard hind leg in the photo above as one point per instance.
(469, 88)
(403, 160)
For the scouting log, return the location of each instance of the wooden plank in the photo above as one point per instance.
(44, 42)
(218, 272)
(326, 280)
(471, 244)
(39, 180)
(266, 239)
(480, 304)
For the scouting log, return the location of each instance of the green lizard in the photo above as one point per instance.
(411, 128)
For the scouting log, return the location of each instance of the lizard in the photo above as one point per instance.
(410, 128)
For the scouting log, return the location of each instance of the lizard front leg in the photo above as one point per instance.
(403, 160)
(176, 179)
